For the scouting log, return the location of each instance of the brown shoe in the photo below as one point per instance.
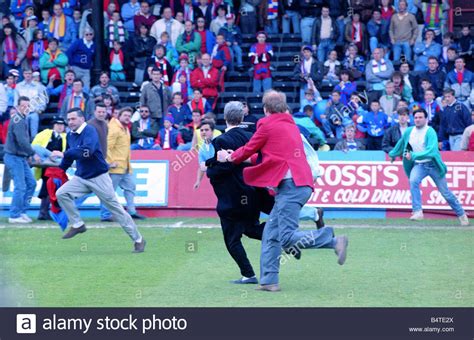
(320, 221)
(139, 246)
(341, 248)
(269, 288)
(74, 231)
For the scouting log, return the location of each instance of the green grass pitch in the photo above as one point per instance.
(190, 267)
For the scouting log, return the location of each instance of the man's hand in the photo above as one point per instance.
(224, 68)
(202, 166)
(408, 156)
(36, 158)
(196, 185)
(113, 165)
(222, 156)
(57, 153)
(440, 145)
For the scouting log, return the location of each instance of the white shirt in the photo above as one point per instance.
(307, 65)
(81, 128)
(417, 141)
(326, 28)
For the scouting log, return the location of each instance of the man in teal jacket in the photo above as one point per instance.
(421, 158)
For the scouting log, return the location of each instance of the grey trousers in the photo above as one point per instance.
(84, 75)
(104, 190)
(127, 184)
(281, 230)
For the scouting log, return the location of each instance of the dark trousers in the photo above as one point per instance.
(374, 143)
(233, 229)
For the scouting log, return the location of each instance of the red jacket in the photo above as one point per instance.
(208, 85)
(279, 141)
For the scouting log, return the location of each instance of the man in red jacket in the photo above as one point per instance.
(284, 168)
(206, 78)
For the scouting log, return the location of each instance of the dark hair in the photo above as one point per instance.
(431, 90)
(77, 80)
(432, 58)
(125, 109)
(223, 7)
(156, 69)
(307, 108)
(177, 94)
(100, 104)
(159, 46)
(23, 99)
(51, 40)
(211, 124)
(104, 72)
(375, 101)
(421, 110)
(448, 91)
(77, 110)
(197, 89)
(403, 111)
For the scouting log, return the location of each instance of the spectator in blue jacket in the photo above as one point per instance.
(335, 115)
(374, 122)
(378, 31)
(233, 38)
(423, 50)
(180, 113)
(461, 80)
(81, 56)
(128, 11)
(346, 86)
(62, 27)
(17, 9)
(454, 120)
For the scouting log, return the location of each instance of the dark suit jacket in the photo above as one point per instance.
(234, 197)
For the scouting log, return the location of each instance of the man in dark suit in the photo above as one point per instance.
(237, 202)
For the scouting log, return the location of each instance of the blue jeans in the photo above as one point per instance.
(23, 181)
(374, 43)
(397, 50)
(294, 17)
(127, 184)
(272, 27)
(330, 128)
(281, 230)
(33, 123)
(325, 46)
(420, 171)
(261, 85)
(236, 51)
(455, 142)
(306, 29)
(341, 26)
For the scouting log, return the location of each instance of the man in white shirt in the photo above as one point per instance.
(419, 148)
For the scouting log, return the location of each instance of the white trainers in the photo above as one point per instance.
(17, 220)
(417, 216)
(26, 218)
(464, 220)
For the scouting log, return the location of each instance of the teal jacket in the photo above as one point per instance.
(431, 151)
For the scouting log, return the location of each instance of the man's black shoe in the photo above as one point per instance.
(138, 217)
(139, 247)
(320, 221)
(294, 251)
(74, 231)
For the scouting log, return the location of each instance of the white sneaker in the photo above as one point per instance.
(417, 216)
(17, 220)
(464, 220)
(26, 218)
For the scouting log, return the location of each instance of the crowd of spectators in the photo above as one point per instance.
(378, 61)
